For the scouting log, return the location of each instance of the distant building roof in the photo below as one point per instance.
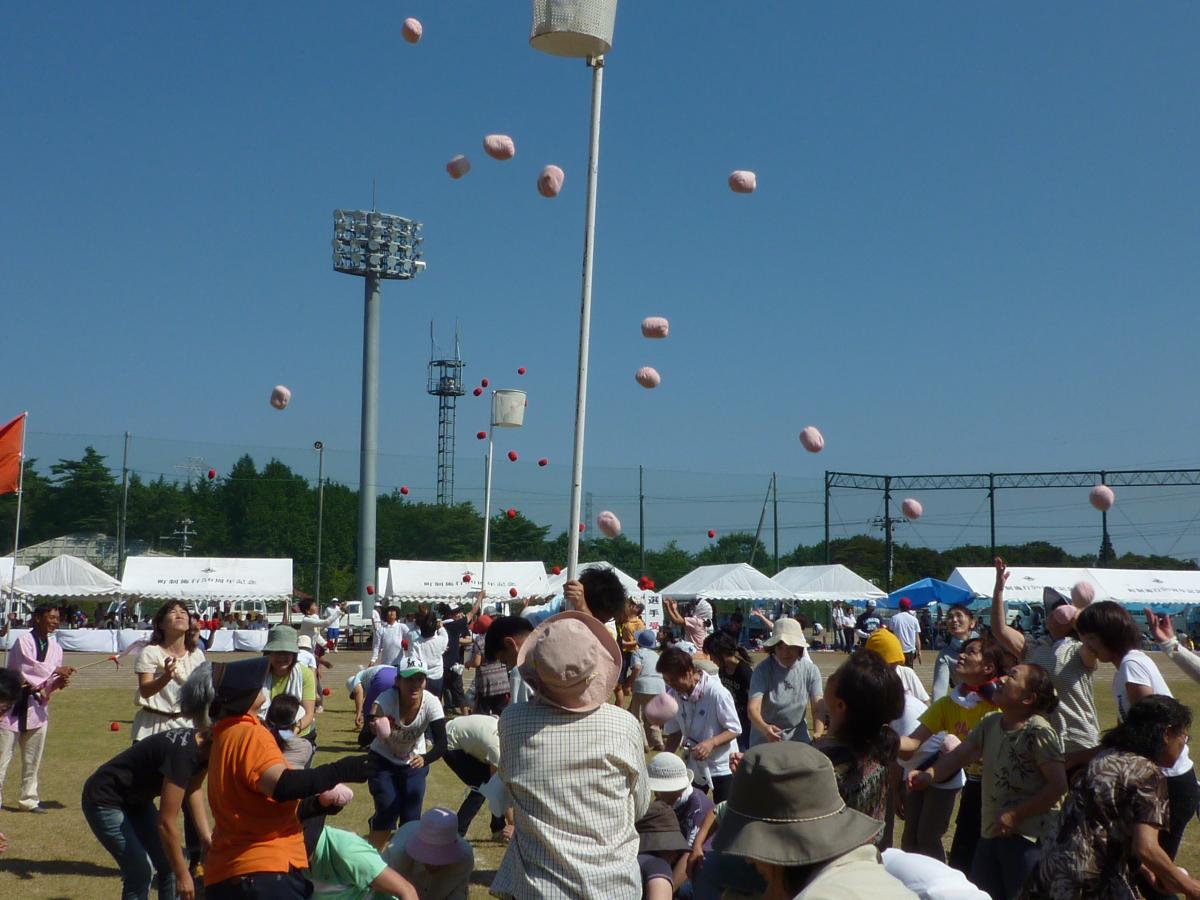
(96, 547)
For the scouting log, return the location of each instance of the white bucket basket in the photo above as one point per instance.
(508, 409)
(578, 28)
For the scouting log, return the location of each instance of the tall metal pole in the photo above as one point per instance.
(320, 513)
(758, 531)
(1104, 541)
(887, 528)
(585, 318)
(642, 518)
(124, 507)
(12, 589)
(992, 509)
(487, 511)
(827, 553)
(775, 517)
(369, 440)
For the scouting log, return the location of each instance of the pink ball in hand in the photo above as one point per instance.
(648, 377)
(1082, 594)
(812, 439)
(912, 509)
(280, 397)
(338, 795)
(609, 524)
(382, 727)
(661, 710)
(1102, 497)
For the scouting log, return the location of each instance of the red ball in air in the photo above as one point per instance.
(555, 570)
(543, 462)
(512, 592)
(481, 435)
(370, 589)
(483, 383)
(478, 392)
(114, 726)
(581, 528)
(325, 692)
(404, 489)
(467, 578)
(512, 513)
(711, 533)
(512, 455)
(521, 371)
(212, 473)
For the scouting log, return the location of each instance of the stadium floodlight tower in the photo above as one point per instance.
(582, 29)
(374, 246)
(445, 383)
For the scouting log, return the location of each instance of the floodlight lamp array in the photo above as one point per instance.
(375, 243)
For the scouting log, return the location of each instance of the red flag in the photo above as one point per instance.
(11, 440)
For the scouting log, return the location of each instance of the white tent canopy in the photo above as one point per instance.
(1024, 582)
(1131, 587)
(412, 579)
(6, 573)
(207, 578)
(733, 582)
(67, 576)
(382, 586)
(826, 584)
(556, 582)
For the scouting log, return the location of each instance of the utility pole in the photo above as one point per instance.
(182, 534)
(642, 518)
(775, 516)
(124, 508)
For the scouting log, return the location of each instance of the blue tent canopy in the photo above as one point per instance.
(927, 590)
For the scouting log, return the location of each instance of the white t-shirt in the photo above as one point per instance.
(906, 725)
(407, 738)
(907, 629)
(706, 712)
(912, 683)
(1137, 668)
(478, 736)
(306, 658)
(430, 649)
(151, 660)
(333, 616)
(928, 878)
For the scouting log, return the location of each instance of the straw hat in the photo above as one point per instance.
(787, 631)
(666, 773)
(784, 808)
(572, 661)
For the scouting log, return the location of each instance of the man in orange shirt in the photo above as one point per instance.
(258, 845)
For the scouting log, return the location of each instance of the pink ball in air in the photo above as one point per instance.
(499, 146)
(338, 795)
(412, 30)
(743, 182)
(1082, 594)
(382, 727)
(912, 509)
(812, 439)
(661, 710)
(280, 397)
(648, 377)
(458, 167)
(550, 182)
(1102, 497)
(609, 524)
(655, 327)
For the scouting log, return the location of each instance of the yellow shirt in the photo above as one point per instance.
(947, 715)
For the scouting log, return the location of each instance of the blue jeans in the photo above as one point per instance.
(398, 792)
(131, 836)
(1002, 864)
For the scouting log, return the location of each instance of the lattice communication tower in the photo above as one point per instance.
(445, 383)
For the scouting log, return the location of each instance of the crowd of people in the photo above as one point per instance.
(622, 761)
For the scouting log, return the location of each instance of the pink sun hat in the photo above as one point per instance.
(436, 841)
(571, 661)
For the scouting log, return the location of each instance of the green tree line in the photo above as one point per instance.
(272, 512)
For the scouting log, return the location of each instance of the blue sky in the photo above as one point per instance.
(973, 246)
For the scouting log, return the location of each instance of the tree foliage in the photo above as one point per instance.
(272, 511)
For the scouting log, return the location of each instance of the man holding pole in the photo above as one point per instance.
(37, 660)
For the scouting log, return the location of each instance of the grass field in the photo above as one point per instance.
(55, 855)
